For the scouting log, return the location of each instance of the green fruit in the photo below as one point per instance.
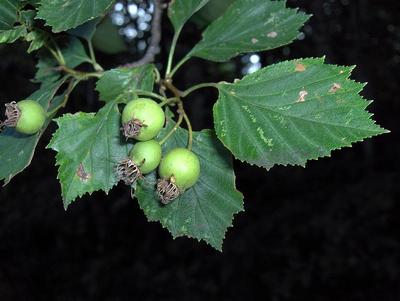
(147, 155)
(32, 117)
(146, 119)
(181, 167)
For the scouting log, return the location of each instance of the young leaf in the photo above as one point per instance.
(74, 54)
(247, 26)
(292, 112)
(62, 15)
(16, 150)
(37, 38)
(89, 146)
(180, 11)
(122, 82)
(27, 17)
(8, 17)
(13, 34)
(206, 210)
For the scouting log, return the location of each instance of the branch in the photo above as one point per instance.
(154, 46)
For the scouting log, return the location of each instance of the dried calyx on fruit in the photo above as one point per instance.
(179, 170)
(142, 119)
(143, 159)
(26, 116)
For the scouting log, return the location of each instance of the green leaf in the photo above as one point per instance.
(37, 38)
(11, 35)
(27, 17)
(89, 146)
(34, 3)
(248, 26)
(206, 210)
(8, 14)
(122, 82)
(180, 11)
(85, 31)
(46, 71)
(9, 30)
(16, 150)
(292, 112)
(62, 15)
(211, 12)
(74, 55)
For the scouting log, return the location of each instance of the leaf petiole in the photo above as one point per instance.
(96, 65)
(180, 63)
(171, 53)
(169, 101)
(80, 75)
(149, 94)
(71, 86)
(199, 86)
(178, 123)
(190, 130)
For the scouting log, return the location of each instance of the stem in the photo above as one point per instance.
(79, 74)
(158, 75)
(178, 123)
(171, 53)
(168, 101)
(96, 66)
(167, 84)
(170, 86)
(55, 54)
(190, 130)
(71, 86)
(182, 116)
(199, 86)
(156, 33)
(150, 94)
(59, 54)
(184, 60)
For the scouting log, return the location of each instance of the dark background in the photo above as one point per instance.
(327, 232)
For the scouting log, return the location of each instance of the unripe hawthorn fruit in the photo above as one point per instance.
(147, 154)
(142, 119)
(179, 170)
(143, 158)
(27, 116)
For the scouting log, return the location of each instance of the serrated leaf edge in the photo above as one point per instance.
(316, 59)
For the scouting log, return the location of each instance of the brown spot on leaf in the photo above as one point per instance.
(254, 40)
(82, 174)
(272, 34)
(335, 87)
(302, 96)
(300, 67)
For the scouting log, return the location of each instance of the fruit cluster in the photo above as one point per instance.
(142, 120)
(179, 169)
